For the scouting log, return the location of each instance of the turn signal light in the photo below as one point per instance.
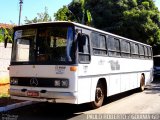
(73, 68)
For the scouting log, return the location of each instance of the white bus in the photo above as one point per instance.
(66, 62)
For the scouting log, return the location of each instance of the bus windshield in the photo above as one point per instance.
(44, 45)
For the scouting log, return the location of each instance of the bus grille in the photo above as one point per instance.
(36, 82)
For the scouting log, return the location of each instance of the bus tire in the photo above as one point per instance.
(142, 83)
(99, 96)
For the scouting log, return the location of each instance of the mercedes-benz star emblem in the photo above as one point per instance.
(34, 82)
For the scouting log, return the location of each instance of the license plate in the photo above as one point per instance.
(33, 93)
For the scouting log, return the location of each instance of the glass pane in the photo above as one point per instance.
(111, 43)
(117, 44)
(145, 51)
(24, 46)
(141, 50)
(86, 46)
(94, 37)
(136, 49)
(84, 52)
(45, 45)
(102, 42)
(56, 44)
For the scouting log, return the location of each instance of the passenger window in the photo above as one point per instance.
(145, 52)
(125, 48)
(141, 51)
(134, 50)
(99, 44)
(149, 52)
(84, 49)
(113, 46)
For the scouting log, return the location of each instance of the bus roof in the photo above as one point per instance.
(79, 25)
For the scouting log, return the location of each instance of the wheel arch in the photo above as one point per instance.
(104, 83)
(94, 85)
(100, 92)
(142, 75)
(142, 82)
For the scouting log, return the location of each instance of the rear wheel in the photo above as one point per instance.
(142, 83)
(99, 96)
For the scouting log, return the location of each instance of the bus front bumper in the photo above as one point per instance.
(47, 96)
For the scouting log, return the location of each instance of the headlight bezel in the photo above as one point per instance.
(14, 81)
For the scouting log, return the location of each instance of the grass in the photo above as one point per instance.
(4, 95)
(4, 79)
(4, 90)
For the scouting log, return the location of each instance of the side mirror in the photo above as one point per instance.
(5, 41)
(83, 40)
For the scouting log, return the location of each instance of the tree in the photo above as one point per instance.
(135, 19)
(75, 11)
(41, 17)
(63, 14)
(146, 20)
(6, 33)
(79, 9)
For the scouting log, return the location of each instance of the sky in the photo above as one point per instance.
(10, 9)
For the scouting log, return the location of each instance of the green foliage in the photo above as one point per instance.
(63, 14)
(145, 4)
(41, 17)
(6, 34)
(76, 11)
(4, 96)
(135, 19)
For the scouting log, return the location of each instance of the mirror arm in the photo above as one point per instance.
(5, 41)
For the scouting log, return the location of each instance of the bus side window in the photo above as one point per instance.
(99, 44)
(146, 52)
(125, 48)
(83, 48)
(141, 51)
(149, 52)
(114, 47)
(134, 50)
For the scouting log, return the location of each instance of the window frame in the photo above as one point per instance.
(98, 48)
(124, 53)
(110, 50)
(89, 50)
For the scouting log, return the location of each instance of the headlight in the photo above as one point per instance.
(57, 83)
(14, 81)
(64, 83)
(61, 83)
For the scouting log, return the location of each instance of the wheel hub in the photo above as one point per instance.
(98, 94)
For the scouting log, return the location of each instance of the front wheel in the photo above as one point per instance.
(99, 97)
